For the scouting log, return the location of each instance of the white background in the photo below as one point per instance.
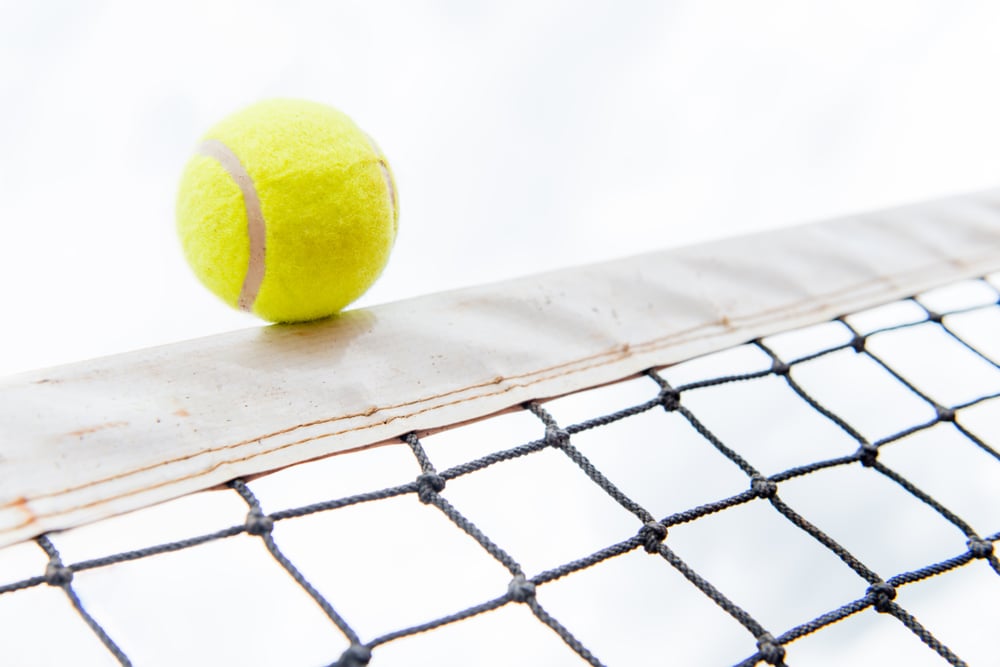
(524, 135)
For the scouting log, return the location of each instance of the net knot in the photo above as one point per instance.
(867, 454)
(258, 523)
(858, 343)
(770, 650)
(652, 535)
(356, 655)
(763, 487)
(670, 399)
(780, 367)
(57, 574)
(881, 595)
(520, 589)
(945, 414)
(556, 437)
(980, 548)
(429, 485)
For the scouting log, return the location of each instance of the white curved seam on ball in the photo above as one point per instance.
(387, 176)
(256, 226)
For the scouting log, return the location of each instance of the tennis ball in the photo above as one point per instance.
(287, 210)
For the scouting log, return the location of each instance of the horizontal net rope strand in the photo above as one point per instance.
(58, 575)
(261, 525)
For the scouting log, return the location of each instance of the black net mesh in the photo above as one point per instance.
(867, 392)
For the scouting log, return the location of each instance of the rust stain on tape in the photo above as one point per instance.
(22, 505)
(80, 432)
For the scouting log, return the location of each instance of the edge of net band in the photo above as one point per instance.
(101, 437)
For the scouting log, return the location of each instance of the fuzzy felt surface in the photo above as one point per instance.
(328, 201)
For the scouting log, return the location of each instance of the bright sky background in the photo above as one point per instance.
(525, 135)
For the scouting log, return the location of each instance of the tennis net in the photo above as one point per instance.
(817, 495)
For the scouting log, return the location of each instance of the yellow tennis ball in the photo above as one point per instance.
(288, 210)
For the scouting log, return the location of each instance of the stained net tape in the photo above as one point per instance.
(974, 546)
